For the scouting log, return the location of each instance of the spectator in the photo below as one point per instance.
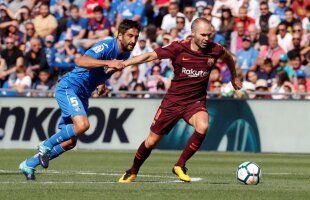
(278, 86)
(217, 85)
(300, 76)
(236, 38)
(306, 21)
(200, 5)
(161, 87)
(169, 20)
(252, 7)
(23, 16)
(116, 81)
(299, 7)
(227, 23)
(242, 17)
(139, 87)
(219, 4)
(152, 80)
(247, 55)
(283, 66)
(43, 85)
(284, 38)
(128, 9)
(215, 75)
(295, 43)
(50, 51)
(273, 52)
(259, 41)
(139, 49)
(266, 71)
(262, 86)
(189, 12)
(251, 76)
(45, 24)
(35, 7)
(13, 57)
(64, 58)
(99, 27)
(133, 77)
(290, 20)
(225, 73)
(288, 88)
(22, 82)
(280, 9)
(182, 31)
(216, 22)
(30, 33)
(35, 59)
(59, 7)
(302, 89)
(13, 32)
(77, 26)
(267, 22)
(123, 89)
(216, 37)
(88, 8)
(110, 11)
(16, 5)
(298, 33)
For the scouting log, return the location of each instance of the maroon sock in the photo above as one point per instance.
(191, 147)
(141, 155)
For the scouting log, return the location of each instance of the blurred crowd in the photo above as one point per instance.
(40, 39)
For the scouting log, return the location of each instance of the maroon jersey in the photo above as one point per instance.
(191, 70)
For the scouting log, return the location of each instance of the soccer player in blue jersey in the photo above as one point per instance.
(74, 89)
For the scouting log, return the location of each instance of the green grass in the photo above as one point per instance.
(93, 175)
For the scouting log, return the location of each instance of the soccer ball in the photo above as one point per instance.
(249, 173)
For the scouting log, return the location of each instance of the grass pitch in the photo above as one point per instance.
(93, 175)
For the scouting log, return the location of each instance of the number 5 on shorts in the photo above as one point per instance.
(74, 101)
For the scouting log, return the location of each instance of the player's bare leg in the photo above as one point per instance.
(141, 155)
(80, 125)
(200, 122)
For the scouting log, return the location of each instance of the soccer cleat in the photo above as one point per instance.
(127, 177)
(27, 171)
(181, 173)
(44, 155)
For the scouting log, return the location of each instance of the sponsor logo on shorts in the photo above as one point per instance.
(195, 73)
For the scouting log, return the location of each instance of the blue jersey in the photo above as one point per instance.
(84, 81)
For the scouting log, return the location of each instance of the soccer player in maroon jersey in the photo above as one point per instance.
(193, 61)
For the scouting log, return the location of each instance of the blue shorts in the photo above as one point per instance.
(70, 104)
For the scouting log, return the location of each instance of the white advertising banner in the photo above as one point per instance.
(255, 126)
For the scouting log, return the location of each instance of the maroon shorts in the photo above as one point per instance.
(169, 113)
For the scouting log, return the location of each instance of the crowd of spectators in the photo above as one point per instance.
(40, 39)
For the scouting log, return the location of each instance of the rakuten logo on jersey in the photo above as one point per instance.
(195, 73)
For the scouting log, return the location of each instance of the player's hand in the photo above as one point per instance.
(236, 83)
(116, 64)
(102, 90)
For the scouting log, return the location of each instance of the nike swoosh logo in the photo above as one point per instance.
(185, 58)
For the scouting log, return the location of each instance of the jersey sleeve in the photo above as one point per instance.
(139, 9)
(99, 50)
(169, 51)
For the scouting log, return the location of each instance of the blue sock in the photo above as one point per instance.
(33, 162)
(56, 151)
(65, 134)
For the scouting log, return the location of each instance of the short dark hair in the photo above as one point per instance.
(197, 20)
(128, 24)
(268, 61)
(98, 9)
(289, 10)
(45, 4)
(74, 7)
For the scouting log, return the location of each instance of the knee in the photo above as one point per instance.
(202, 127)
(81, 126)
(70, 144)
(150, 143)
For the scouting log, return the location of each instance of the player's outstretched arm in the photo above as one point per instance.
(89, 62)
(230, 61)
(147, 57)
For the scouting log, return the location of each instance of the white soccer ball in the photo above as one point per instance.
(249, 173)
